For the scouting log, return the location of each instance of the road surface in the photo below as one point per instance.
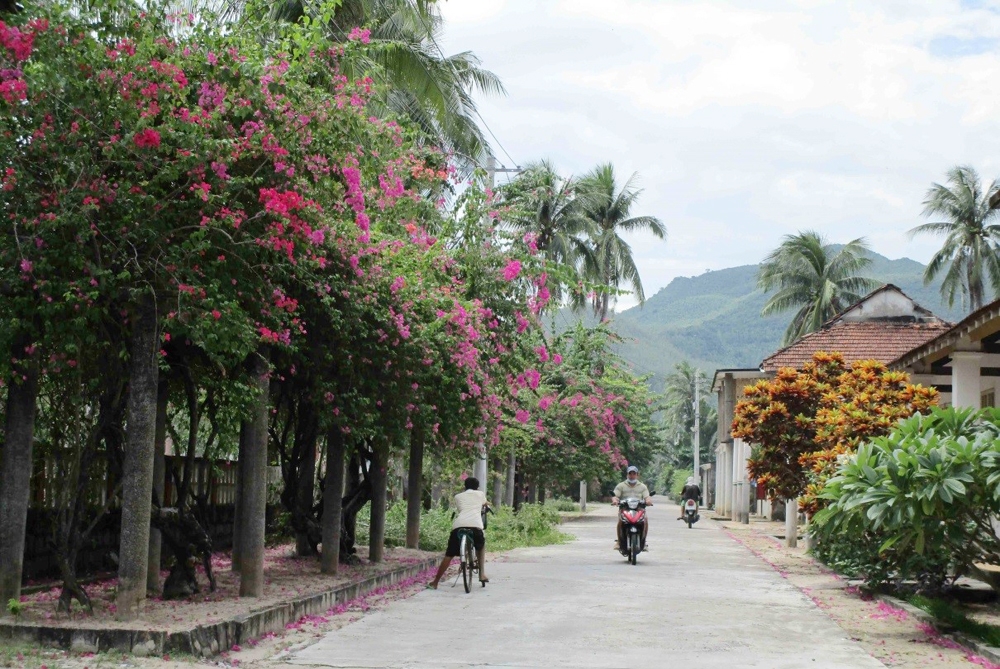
(696, 599)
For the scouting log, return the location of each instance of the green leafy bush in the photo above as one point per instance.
(565, 504)
(532, 525)
(917, 504)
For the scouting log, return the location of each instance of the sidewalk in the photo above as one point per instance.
(890, 634)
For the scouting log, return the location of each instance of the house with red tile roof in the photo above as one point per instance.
(886, 325)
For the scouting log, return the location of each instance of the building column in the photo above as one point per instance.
(965, 387)
(727, 483)
(744, 483)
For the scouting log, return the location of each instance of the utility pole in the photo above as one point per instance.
(492, 170)
(480, 465)
(697, 430)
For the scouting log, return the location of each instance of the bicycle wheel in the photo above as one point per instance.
(466, 551)
(633, 548)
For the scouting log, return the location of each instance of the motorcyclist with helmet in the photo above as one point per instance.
(691, 491)
(629, 488)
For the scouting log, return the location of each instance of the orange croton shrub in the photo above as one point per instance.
(801, 421)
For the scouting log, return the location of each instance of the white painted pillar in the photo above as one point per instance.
(480, 469)
(965, 388)
(727, 481)
(744, 511)
(734, 507)
(583, 495)
(791, 522)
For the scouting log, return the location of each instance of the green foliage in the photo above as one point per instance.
(816, 278)
(565, 504)
(955, 618)
(971, 237)
(927, 492)
(532, 525)
(677, 481)
(15, 607)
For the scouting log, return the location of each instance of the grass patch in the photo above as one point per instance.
(532, 525)
(954, 617)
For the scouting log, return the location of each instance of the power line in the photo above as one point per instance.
(430, 35)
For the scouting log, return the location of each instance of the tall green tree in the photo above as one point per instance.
(414, 79)
(609, 209)
(544, 206)
(679, 399)
(969, 256)
(812, 276)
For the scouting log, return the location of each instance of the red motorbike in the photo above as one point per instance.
(632, 513)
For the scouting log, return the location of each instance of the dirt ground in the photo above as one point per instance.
(889, 634)
(285, 577)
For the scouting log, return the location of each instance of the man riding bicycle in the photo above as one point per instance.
(632, 487)
(468, 506)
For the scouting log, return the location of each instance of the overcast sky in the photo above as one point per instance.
(746, 120)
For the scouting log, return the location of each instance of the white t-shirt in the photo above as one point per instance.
(469, 506)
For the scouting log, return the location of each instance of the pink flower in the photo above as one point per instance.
(216, 314)
(362, 35)
(545, 402)
(522, 416)
(26, 265)
(557, 359)
(543, 354)
(511, 271)
(147, 138)
(533, 378)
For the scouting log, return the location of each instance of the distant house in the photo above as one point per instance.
(886, 325)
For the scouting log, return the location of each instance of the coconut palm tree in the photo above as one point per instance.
(972, 233)
(609, 208)
(815, 278)
(415, 79)
(540, 202)
(679, 392)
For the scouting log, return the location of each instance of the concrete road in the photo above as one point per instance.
(696, 599)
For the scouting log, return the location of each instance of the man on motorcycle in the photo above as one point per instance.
(632, 487)
(691, 491)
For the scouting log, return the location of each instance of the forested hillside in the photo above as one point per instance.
(713, 320)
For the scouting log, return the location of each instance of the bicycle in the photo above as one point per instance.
(467, 554)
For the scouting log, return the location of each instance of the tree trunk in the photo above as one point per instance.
(238, 497)
(307, 480)
(498, 478)
(414, 486)
(159, 472)
(137, 473)
(15, 472)
(379, 481)
(532, 493)
(253, 470)
(511, 478)
(333, 501)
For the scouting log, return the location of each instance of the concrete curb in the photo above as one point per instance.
(211, 639)
(991, 653)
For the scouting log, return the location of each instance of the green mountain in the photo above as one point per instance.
(713, 320)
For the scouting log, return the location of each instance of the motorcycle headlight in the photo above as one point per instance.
(633, 504)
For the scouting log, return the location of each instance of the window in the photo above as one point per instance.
(988, 398)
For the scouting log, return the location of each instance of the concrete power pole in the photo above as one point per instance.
(480, 467)
(697, 430)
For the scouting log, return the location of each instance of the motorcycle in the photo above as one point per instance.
(632, 513)
(690, 512)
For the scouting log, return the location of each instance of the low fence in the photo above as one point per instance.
(213, 480)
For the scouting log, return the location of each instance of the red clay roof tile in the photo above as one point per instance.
(884, 341)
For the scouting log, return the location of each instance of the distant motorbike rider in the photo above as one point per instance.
(691, 491)
(632, 487)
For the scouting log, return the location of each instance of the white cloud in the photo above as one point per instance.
(747, 121)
